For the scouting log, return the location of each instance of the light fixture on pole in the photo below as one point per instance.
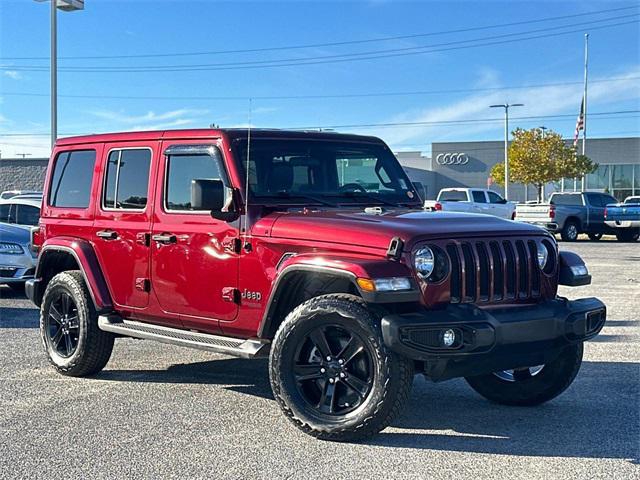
(544, 130)
(65, 6)
(506, 107)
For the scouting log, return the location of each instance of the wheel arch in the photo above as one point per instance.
(298, 283)
(574, 219)
(63, 254)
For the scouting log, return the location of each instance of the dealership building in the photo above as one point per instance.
(468, 164)
(452, 164)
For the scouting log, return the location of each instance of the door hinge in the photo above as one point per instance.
(143, 238)
(143, 284)
(232, 245)
(231, 294)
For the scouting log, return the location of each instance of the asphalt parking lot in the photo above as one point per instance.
(159, 411)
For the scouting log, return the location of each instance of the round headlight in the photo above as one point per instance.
(424, 262)
(543, 255)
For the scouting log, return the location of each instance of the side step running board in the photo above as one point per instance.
(185, 338)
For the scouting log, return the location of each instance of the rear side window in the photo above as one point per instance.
(28, 215)
(566, 199)
(479, 197)
(71, 181)
(127, 179)
(453, 196)
(181, 171)
(5, 213)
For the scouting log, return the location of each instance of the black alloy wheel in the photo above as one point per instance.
(62, 327)
(333, 370)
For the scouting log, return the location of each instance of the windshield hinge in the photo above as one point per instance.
(395, 248)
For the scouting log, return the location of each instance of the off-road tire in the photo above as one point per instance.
(551, 381)
(570, 231)
(94, 346)
(391, 382)
(628, 235)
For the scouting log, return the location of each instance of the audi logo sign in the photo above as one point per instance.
(452, 159)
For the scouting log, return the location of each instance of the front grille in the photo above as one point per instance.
(7, 272)
(493, 271)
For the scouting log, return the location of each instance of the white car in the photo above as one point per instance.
(21, 210)
(472, 200)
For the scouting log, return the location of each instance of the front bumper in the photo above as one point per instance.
(16, 268)
(489, 340)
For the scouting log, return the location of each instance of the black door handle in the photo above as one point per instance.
(107, 234)
(165, 238)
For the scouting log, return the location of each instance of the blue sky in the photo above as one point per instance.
(465, 80)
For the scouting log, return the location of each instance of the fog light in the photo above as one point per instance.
(448, 338)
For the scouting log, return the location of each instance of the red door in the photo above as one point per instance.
(194, 268)
(123, 221)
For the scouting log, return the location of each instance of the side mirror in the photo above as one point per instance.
(211, 194)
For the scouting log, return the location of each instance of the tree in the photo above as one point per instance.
(538, 160)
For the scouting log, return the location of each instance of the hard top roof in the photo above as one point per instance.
(203, 133)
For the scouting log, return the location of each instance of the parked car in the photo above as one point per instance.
(322, 259)
(7, 194)
(624, 218)
(17, 259)
(472, 200)
(21, 209)
(569, 214)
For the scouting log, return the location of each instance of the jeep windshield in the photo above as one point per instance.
(332, 173)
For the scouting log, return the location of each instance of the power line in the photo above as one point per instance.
(330, 44)
(339, 95)
(601, 115)
(300, 61)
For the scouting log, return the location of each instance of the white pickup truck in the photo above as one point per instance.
(472, 200)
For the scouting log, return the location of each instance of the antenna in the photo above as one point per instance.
(246, 184)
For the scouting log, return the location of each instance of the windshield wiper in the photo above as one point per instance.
(288, 195)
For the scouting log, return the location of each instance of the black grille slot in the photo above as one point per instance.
(498, 271)
(483, 258)
(510, 270)
(469, 273)
(535, 271)
(452, 251)
(428, 338)
(523, 270)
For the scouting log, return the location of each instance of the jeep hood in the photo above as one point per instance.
(355, 227)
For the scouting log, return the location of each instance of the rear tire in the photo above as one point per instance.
(69, 327)
(570, 231)
(529, 390)
(322, 386)
(628, 235)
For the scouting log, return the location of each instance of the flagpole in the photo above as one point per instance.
(584, 99)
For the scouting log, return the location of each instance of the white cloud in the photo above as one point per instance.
(539, 101)
(13, 74)
(151, 116)
(36, 145)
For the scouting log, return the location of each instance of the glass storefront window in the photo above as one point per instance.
(599, 180)
(622, 176)
(636, 177)
(621, 194)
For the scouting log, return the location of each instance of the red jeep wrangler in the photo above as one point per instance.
(310, 248)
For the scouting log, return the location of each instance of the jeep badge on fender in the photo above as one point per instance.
(323, 260)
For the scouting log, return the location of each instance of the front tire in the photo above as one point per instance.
(69, 327)
(531, 386)
(331, 373)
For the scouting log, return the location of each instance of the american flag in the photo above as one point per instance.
(579, 124)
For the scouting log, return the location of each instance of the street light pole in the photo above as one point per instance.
(54, 72)
(67, 6)
(506, 143)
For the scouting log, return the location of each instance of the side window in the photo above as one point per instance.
(4, 212)
(478, 196)
(181, 171)
(28, 215)
(127, 179)
(71, 180)
(495, 198)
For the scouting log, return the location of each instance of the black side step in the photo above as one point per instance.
(249, 348)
